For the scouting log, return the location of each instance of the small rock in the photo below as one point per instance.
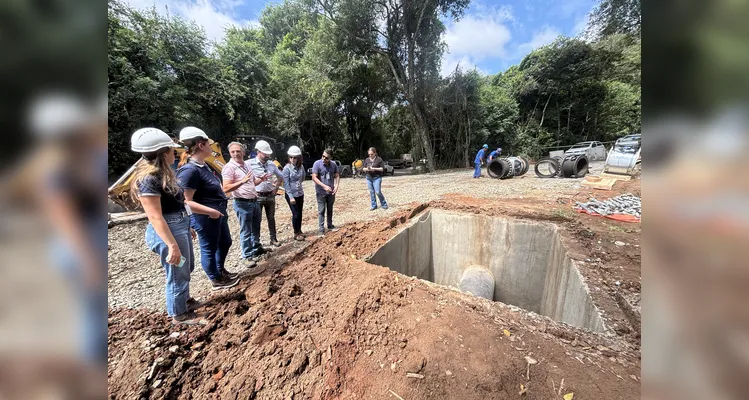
(197, 346)
(415, 376)
(448, 373)
(393, 366)
(618, 243)
(217, 377)
(174, 335)
(531, 360)
(402, 345)
(174, 349)
(368, 352)
(156, 384)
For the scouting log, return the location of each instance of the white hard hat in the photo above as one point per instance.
(295, 151)
(191, 132)
(58, 114)
(149, 140)
(263, 147)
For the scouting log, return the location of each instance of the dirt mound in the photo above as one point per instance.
(327, 325)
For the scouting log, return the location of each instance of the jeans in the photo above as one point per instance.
(374, 183)
(477, 169)
(177, 278)
(296, 213)
(269, 204)
(215, 240)
(90, 302)
(324, 201)
(248, 214)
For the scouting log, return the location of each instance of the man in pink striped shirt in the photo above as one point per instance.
(239, 183)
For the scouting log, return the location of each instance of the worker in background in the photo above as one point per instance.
(374, 167)
(239, 183)
(262, 166)
(356, 167)
(168, 232)
(73, 154)
(326, 176)
(206, 200)
(293, 178)
(494, 154)
(479, 161)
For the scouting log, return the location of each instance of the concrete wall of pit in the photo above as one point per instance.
(528, 261)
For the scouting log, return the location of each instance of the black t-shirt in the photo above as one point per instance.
(205, 183)
(376, 163)
(170, 202)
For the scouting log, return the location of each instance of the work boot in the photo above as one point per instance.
(299, 237)
(384, 207)
(193, 304)
(333, 228)
(230, 275)
(255, 270)
(275, 243)
(224, 283)
(189, 318)
(320, 233)
(249, 262)
(373, 208)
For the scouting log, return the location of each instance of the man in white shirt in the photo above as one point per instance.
(263, 167)
(239, 183)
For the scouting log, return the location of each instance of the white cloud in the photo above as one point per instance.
(213, 15)
(478, 37)
(541, 38)
(481, 34)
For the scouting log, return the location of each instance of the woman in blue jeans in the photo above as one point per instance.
(374, 167)
(168, 232)
(293, 178)
(205, 197)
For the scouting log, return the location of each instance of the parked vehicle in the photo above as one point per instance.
(389, 169)
(630, 138)
(624, 158)
(593, 150)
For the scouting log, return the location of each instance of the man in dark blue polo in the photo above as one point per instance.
(326, 176)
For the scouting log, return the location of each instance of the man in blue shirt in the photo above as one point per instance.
(326, 176)
(494, 154)
(479, 160)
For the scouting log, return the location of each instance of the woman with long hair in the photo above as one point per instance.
(374, 167)
(168, 233)
(293, 178)
(205, 197)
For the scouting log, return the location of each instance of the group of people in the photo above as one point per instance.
(483, 159)
(192, 201)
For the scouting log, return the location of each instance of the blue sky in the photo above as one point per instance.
(492, 36)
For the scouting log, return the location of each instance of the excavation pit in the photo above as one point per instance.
(527, 261)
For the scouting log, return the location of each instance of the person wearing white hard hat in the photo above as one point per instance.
(240, 182)
(67, 170)
(293, 178)
(264, 168)
(168, 233)
(205, 197)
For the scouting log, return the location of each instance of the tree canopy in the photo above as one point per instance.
(350, 74)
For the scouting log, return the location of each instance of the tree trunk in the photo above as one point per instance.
(543, 113)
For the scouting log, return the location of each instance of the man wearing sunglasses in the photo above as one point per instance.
(326, 176)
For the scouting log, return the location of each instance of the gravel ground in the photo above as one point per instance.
(136, 278)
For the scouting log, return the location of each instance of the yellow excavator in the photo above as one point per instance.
(119, 192)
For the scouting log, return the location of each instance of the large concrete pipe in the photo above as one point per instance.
(478, 281)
